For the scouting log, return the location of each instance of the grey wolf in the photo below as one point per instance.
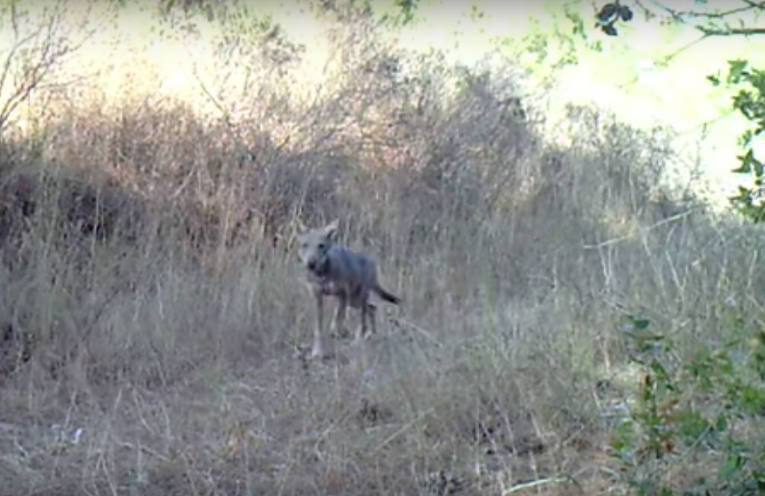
(335, 270)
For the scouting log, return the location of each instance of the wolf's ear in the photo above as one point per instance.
(331, 228)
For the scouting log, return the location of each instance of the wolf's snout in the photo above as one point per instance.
(311, 264)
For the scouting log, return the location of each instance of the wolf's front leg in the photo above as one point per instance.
(318, 345)
(340, 329)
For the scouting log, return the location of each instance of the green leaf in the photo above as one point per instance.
(622, 440)
(692, 426)
(736, 69)
(759, 477)
(638, 322)
(735, 447)
(753, 399)
(661, 373)
(722, 423)
(746, 163)
(642, 323)
(732, 465)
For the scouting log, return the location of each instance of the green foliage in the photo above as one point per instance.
(405, 10)
(698, 407)
(555, 43)
(576, 20)
(748, 83)
(749, 99)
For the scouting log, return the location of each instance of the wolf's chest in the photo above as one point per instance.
(331, 287)
(327, 285)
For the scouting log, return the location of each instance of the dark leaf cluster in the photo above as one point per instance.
(609, 14)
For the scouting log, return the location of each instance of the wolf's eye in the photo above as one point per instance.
(322, 246)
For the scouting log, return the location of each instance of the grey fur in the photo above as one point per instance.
(335, 270)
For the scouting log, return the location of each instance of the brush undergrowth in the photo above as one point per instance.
(692, 424)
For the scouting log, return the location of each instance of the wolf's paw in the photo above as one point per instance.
(321, 354)
(342, 332)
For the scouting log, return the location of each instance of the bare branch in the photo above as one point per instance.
(710, 28)
(680, 14)
(683, 48)
(14, 20)
(31, 75)
(730, 31)
(32, 56)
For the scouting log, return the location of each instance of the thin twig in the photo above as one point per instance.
(679, 14)
(540, 482)
(628, 236)
(420, 330)
(403, 429)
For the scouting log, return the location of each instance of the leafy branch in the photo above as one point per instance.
(750, 101)
(710, 22)
(748, 82)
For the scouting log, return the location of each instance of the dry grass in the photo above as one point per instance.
(153, 314)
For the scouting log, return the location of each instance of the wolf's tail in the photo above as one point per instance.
(390, 297)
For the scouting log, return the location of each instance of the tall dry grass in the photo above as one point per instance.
(153, 313)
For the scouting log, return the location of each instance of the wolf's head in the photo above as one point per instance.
(313, 246)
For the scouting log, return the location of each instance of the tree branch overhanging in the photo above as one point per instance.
(711, 22)
(731, 31)
(680, 14)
